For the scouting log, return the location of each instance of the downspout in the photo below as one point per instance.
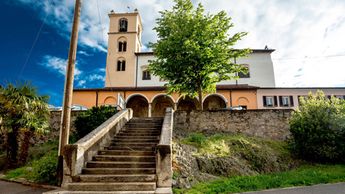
(136, 73)
(237, 74)
(230, 98)
(96, 98)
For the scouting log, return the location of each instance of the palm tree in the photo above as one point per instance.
(23, 114)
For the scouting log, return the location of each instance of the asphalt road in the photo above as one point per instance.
(15, 188)
(337, 188)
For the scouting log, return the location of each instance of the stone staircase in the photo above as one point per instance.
(127, 165)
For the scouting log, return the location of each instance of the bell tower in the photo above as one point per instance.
(123, 42)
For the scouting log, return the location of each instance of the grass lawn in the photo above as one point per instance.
(304, 175)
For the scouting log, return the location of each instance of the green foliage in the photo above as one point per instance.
(23, 113)
(194, 51)
(305, 175)
(318, 129)
(42, 170)
(91, 119)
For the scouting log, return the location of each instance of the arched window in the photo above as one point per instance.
(121, 65)
(123, 25)
(122, 46)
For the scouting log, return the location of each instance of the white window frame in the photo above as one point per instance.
(271, 100)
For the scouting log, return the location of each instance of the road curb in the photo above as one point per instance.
(27, 183)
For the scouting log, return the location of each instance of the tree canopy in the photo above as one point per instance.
(194, 50)
(23, 112)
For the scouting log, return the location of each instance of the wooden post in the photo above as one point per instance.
(68, 92)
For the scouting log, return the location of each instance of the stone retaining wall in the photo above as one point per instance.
(54, 122)
(262, 123)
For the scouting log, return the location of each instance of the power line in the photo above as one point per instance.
(32, 46)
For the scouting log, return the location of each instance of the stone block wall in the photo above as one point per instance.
(55, 121)
(271, 124)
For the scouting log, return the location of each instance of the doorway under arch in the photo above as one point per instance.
(213, 102)
(160, 103)
(139, 105)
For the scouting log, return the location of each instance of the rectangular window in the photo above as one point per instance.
(286, 101)
(270, 101)
(146, 75)
(244, 75)
(121, 66)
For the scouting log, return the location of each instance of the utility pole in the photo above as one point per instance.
(68, 92)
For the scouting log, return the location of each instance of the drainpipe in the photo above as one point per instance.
(136, 73)
(237, 74)
(96, 98)
(230, 98)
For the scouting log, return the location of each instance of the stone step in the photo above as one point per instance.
(131, 148)
(135, 140)
(133, 186)
(118, 171)
(108, 164)
(124, 153)
(101, 192)
(117, 178)
(153, 138)
(138, 134)
(120, 143)
(124, 158)
(143, 125)
(137, 137)
(141, 130)
(151, 119)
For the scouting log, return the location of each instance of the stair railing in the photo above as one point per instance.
(76, 155)
(164, 155)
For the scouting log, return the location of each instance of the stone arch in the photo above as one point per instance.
(188, 104)
(243, 101)
(159, 103)
(139, 104)
(214, 101)
(109, 101)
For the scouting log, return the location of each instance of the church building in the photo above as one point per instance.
(129, 84)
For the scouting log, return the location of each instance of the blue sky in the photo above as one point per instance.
(308, 36)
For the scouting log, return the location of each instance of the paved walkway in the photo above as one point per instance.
(337, 188)
(16, 188)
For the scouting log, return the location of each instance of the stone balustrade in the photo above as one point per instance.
(164, 155)
(77, 154)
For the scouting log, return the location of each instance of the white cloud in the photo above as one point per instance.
(84, 53)
(58, 65)
(306, 31)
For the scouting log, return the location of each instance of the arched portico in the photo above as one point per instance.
(139, 104)
(214, 101)
(188, 104)
(160, 103)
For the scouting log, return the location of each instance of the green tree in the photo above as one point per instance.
(23, 113)
(194, 50)
(318, 129)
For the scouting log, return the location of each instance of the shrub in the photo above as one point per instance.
(44, 169)
(318, 129)
(91, 119)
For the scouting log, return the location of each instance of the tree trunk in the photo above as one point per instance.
(12, 148)
(24, 147)
(200, 99)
